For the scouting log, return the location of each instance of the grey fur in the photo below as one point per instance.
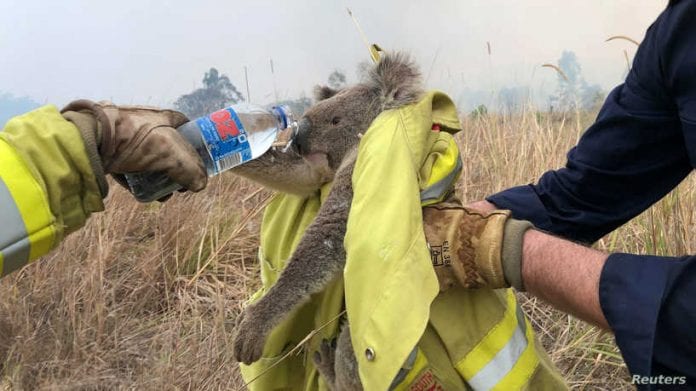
(336, 362)
(329, 137)
(285, 172)
(323, 92)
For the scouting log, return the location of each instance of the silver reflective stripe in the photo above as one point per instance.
(439, 188)
(14, 241)
(503, 362)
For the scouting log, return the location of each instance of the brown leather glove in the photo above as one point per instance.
(474, 249)
(128, 139)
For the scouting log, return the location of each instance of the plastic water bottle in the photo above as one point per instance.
(224, 139)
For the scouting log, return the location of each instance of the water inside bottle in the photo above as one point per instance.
(224, 139)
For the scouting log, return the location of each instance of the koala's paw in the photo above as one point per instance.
(324, 360)
(250, 340)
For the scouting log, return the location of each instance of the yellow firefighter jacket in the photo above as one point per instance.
(405, 335)
(47, 186)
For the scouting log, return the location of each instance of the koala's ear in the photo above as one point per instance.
(323, 92)
(397, 80)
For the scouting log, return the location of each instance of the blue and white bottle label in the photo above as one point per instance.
(226, 139)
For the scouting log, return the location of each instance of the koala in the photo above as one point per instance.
(326, 149)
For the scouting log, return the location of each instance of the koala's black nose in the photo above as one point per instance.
(301, 141)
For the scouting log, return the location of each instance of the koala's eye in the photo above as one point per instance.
(335, 120)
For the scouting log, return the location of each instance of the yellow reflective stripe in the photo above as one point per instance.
(505, 359)
(436, 192)
(496, 338)
(30, 200)
(445, 163)
(443, 175)
(523, 370)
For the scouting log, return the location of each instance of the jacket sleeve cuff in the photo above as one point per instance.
(55, 152)
(648, 302)
(87, 125)
(524, 204)
(631, 288)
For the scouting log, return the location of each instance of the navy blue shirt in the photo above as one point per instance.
(642, 145)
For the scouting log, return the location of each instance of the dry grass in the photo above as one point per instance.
(145, 296)
(141, 298)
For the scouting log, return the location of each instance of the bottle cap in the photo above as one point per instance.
(287, 128)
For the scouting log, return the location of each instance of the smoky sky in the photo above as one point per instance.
(151, 52)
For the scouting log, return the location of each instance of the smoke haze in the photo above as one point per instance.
(151, 52)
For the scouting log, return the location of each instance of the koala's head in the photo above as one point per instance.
(334, 125)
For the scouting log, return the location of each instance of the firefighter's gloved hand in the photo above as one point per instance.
(128, 139)
(474, 249)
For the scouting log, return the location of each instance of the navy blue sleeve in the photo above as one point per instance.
(628, 159)
(649, 304)
(641, 146)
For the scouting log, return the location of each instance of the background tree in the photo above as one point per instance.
(337, 79)
(514, 99)
(574, 93)
(297, 106)
(479, 112)
(363, 69)
(592, 97)
(216, 93)
(567, 95)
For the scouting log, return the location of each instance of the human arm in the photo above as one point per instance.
(647, 300)
(634, 153)
(52, 169)
(490, 249)
(47, 186)
(551, 271)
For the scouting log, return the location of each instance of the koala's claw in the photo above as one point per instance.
(324, 360)
(249, 341)
(325, 354)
